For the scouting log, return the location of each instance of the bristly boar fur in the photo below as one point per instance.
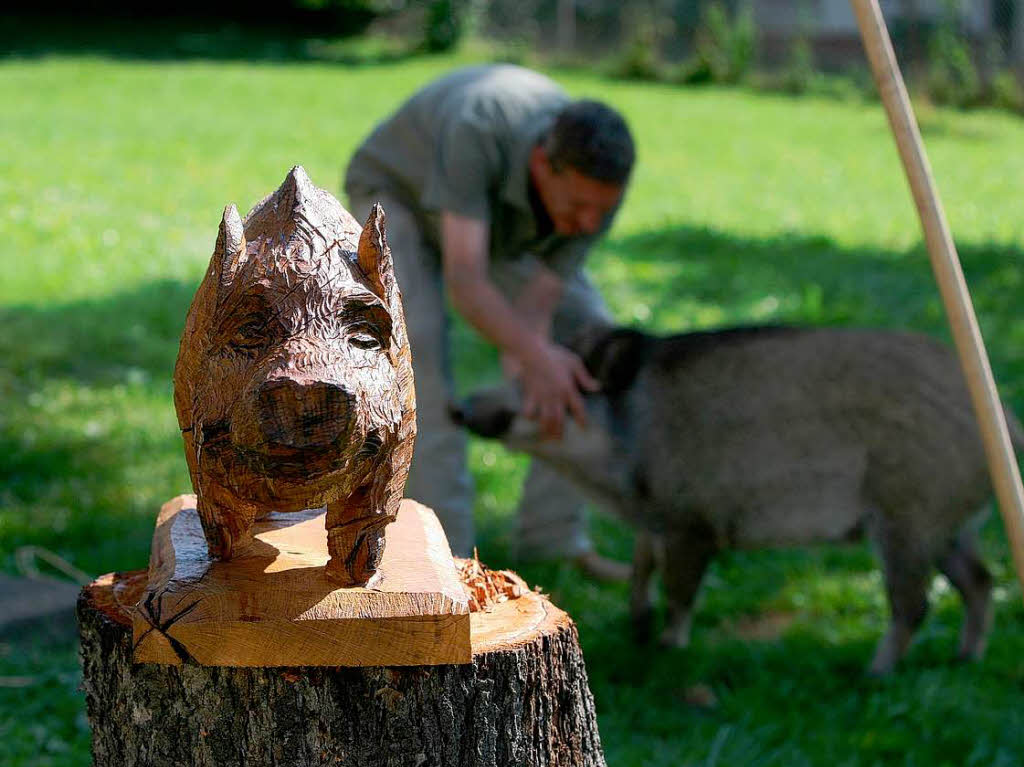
(293, 384)
(755, 437)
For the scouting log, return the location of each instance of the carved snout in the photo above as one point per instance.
(301, 416)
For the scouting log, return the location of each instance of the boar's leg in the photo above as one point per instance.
(907, 569)
(687, 555)
(971, 578)
(227, 523)
(645, 561)
(355, 538)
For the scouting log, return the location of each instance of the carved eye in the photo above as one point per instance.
(252, 334)
(363, 340)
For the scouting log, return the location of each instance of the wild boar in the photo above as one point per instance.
(756, 437)
(293, 384)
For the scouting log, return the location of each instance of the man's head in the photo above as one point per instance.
(581, 166)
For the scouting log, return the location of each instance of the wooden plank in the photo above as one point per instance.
(274, 605)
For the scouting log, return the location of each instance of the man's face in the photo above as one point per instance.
(577, 204)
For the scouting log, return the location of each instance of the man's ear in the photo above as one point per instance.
(615, 358)
(539, 162)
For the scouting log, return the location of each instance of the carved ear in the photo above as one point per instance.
(616, 358)
(296, 188)
(230, 248)
(375, 255)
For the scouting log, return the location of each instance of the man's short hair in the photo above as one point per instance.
(594, 140)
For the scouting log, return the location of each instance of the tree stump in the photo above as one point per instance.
(524, 700)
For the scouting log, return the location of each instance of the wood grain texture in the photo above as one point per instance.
(293, 384)
(274, 605)
(523, 701)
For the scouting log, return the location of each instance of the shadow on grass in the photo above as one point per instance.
(799, 699)
(218, 37)
(675, 278)
(681, 278)
(87, 384)
(127, 336)
(88, 456)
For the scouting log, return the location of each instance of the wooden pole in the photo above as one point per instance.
(948, 274)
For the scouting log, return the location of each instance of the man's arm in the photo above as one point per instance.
(550, 374)
(535, 304)
(537, 301)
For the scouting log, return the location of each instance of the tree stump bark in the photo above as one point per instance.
(524, 700)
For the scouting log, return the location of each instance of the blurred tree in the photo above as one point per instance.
(566, 25)
(953, 76)
(444, 25)
(1017, 43)
(725, 41)
(344, 17)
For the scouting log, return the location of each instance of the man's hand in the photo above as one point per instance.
(552, 378)
(551, 375)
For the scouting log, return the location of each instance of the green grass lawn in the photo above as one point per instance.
(744, 207)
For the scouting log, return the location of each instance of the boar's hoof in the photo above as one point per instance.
(356, 548)
(672, 641)
(226, 544)
(642, 625)
(339, 575)
(677, 633)
(347, 574)
(227, 535)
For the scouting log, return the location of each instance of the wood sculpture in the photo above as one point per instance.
(253, 638)
(294, 393)
(293, 384)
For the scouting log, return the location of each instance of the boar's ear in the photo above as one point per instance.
(616, 357)
(230, 250)
(375, 255)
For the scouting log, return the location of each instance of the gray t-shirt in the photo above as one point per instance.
(463, 144)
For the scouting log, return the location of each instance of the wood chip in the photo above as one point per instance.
(485, 587)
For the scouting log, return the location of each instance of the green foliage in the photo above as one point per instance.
(799, 73)
(641, 58)
(724, 44)
(444, 25)
(513, 50)
(953, 77)
(1007, 91)
(744, 207)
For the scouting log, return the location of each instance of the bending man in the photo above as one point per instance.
(495, 185)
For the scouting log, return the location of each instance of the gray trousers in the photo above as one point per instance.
(551, 519)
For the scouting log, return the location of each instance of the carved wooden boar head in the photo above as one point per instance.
(293, 384)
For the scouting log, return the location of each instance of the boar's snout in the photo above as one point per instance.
(482, 417)
(301, 416)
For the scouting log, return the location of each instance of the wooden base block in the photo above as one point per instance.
(274, 606)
